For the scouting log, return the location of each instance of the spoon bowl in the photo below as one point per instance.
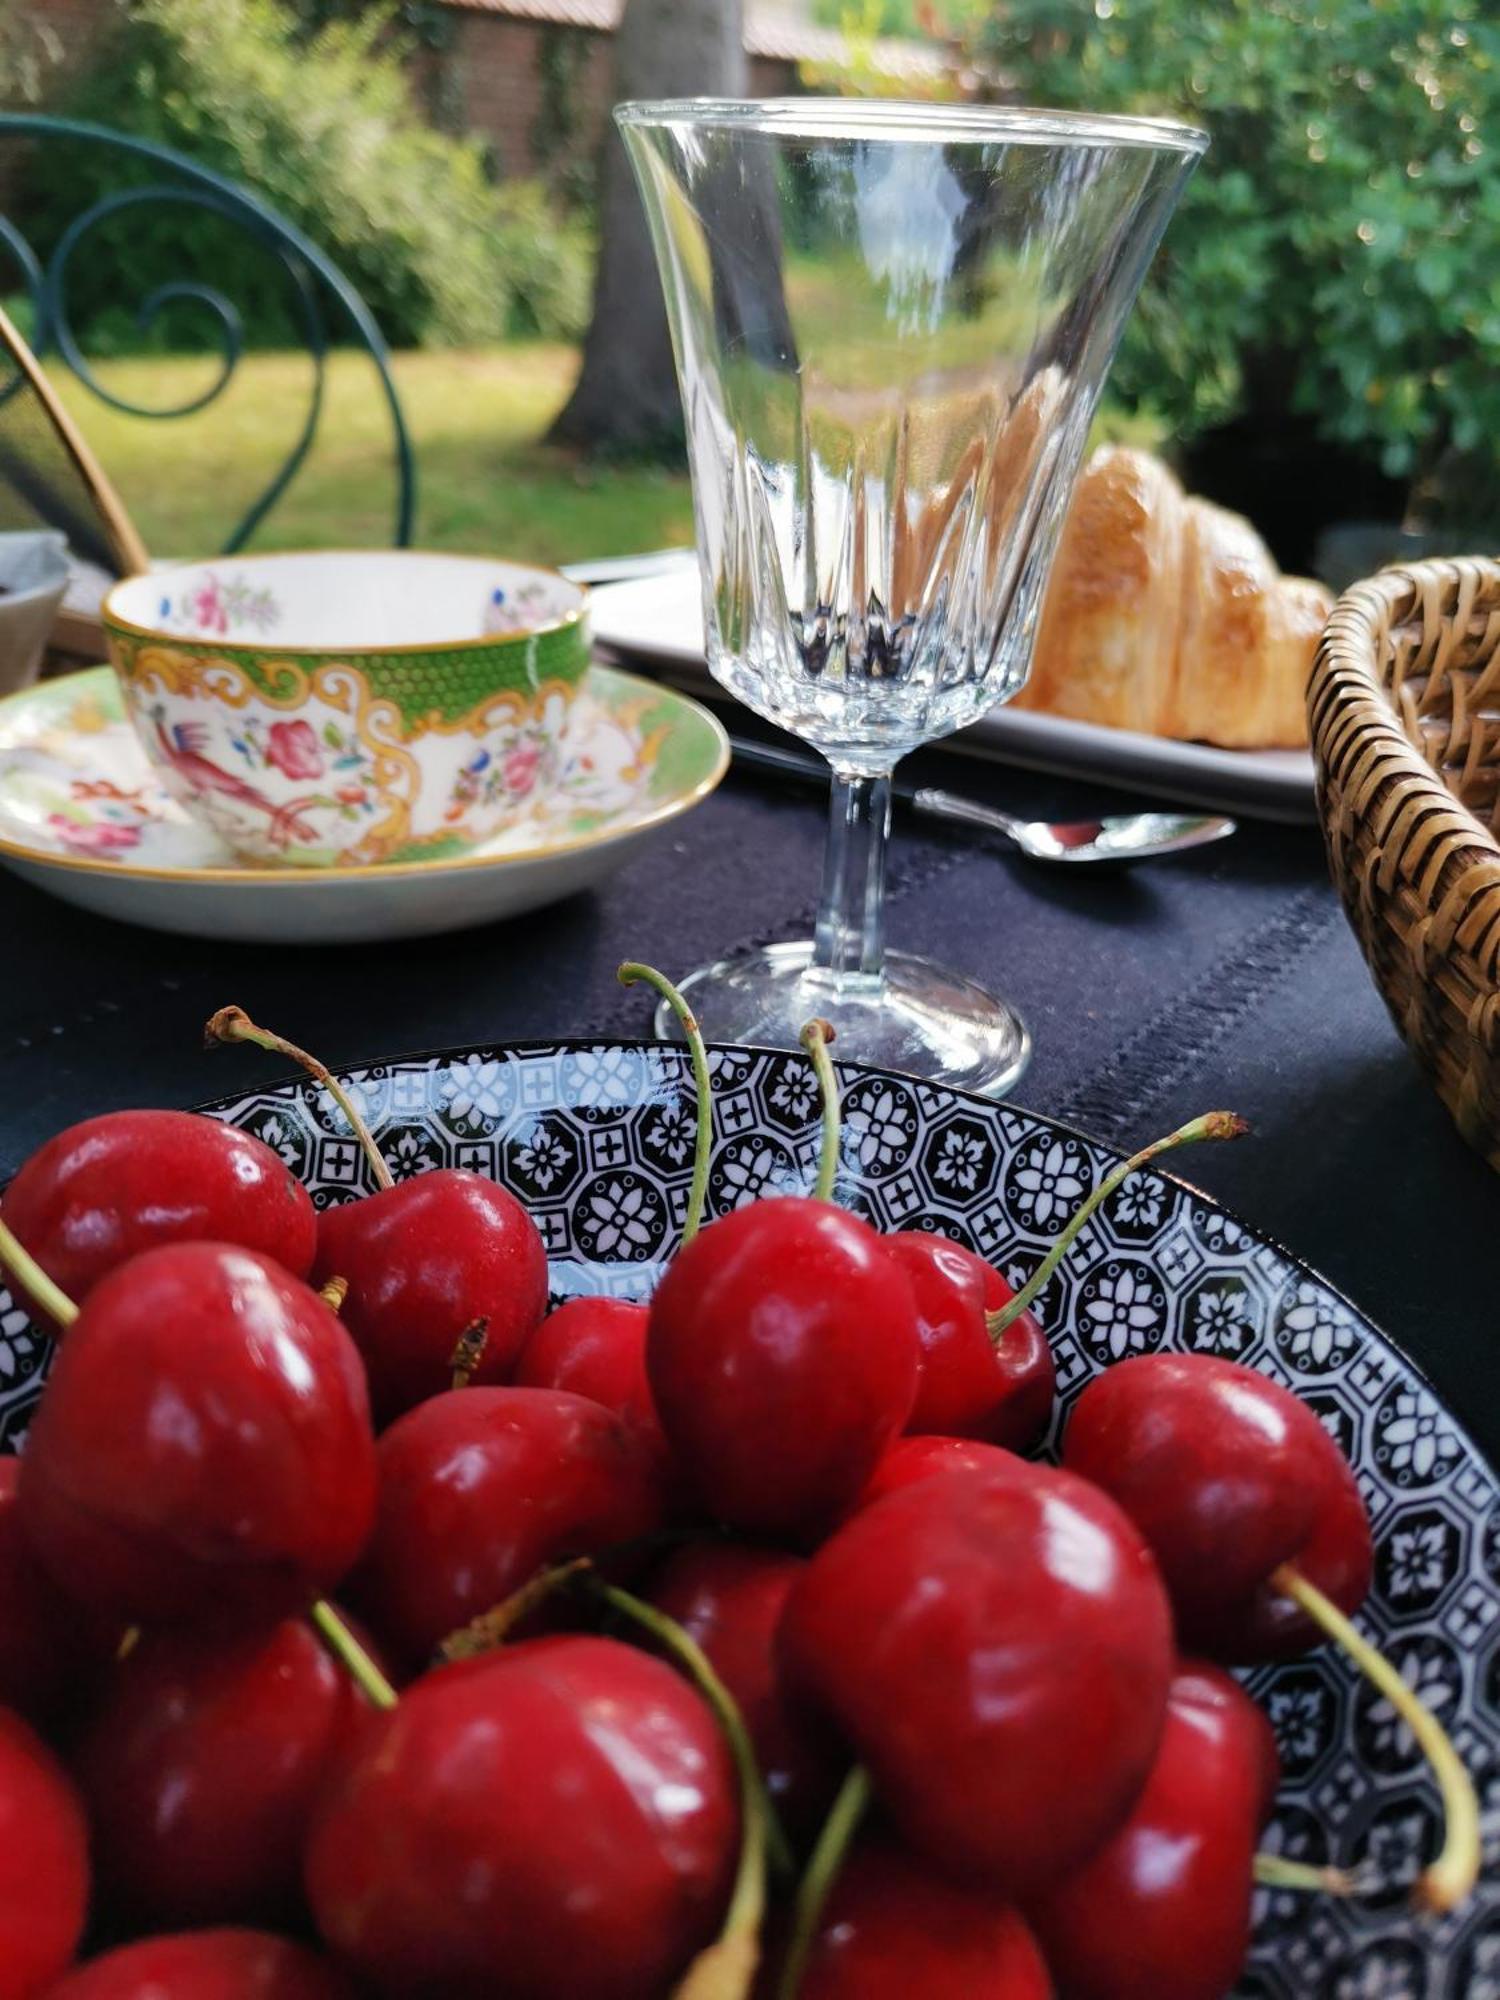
(1112, 842)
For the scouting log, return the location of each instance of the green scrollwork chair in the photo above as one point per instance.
(320, 301)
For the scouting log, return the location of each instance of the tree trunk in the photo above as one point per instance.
(626, 397)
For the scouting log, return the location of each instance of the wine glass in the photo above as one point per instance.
(891, 324)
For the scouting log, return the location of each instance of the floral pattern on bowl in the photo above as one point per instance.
(219, 605)
(337, 710)
(352, 601)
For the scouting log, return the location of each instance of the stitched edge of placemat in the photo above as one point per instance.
(1111, 1100)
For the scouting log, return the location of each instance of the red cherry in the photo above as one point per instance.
(1227, 1475)
(997, 1647)
(596, 1347)
(913, 1459)
(113, 1186)
(892, 1929)
(729, 1597)
(1164, 1907)
(38, 1627)
(44, 1863)
(560, 1817)
(424, 1260)
(204, 1443)
(782, 1353)
(206, 1965)
(480, 1489)
(200, 1766)
(971, 1384)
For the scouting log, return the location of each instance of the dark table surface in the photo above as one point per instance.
(1226, 978)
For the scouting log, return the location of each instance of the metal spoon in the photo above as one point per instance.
(1077, 843)
(1125, 837)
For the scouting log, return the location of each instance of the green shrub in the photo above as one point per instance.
(1338, 252)
(322, 126)
(547, 256)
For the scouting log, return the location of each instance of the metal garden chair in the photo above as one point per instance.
(323, 305)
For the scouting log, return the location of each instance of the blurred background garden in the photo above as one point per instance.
(1318, 345)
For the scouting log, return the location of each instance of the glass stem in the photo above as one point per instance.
(850, 939)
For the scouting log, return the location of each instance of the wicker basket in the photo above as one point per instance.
(1404, 706)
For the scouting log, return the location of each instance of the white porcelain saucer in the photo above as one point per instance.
(84, 816)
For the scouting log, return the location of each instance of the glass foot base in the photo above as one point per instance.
(916, 1017)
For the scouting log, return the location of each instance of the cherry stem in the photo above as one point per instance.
(823, 1866)
(351, 1655)
(726, 1969)
(1275, 1871)
(22, 1269)
(629, 974)
(334, 1293)
(815, 1038)
(683, 1647)
(1212, 1125)
(1449, 1880)
(469, 1351)
(489, 1631)
(233, 1024)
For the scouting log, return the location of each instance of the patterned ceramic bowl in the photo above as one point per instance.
(597, 1139)
(345, 709)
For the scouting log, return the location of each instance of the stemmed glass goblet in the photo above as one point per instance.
(891, 325)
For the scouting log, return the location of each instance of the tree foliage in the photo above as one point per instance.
(319, 120)
(1339, 249)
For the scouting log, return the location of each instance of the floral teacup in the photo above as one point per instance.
(341, 709)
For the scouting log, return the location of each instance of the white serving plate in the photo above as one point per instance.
(659, 620)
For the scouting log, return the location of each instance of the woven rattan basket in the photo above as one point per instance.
(1404, 706)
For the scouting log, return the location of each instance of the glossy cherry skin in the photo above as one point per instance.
(997, 1648)
(1227, 1475)
(1164, 1906)
(782, 1352)
(113, 1186)
(204, 1445)
(894, 1929)
(206, 1965)
(729, 1596)
(971, 1385)
(200, 1766)
(596, 1347)
(912, 1459)
(44, 1863)
(423, 1261)
(39, 1639)
(480, 1489)
(559, 1817)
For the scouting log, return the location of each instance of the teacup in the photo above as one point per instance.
(334, 710)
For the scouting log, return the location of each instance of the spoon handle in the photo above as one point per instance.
(969, 812)
(811, 769)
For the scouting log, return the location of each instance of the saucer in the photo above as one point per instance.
(84, 815)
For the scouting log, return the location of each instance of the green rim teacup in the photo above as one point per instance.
(346, 709)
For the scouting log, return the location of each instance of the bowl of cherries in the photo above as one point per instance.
(609, 1521)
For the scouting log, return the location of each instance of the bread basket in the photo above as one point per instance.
(1404, 709)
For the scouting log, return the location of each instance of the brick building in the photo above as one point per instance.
(534, 77)
(511, 70)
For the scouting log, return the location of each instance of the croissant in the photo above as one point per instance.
(1168, 615)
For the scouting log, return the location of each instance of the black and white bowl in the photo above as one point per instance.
(597, 1139)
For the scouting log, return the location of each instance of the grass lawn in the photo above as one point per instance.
(485, 481)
